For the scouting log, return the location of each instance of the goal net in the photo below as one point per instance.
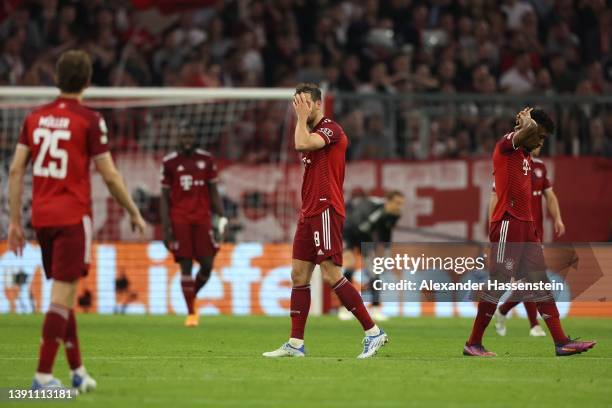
(249, 131)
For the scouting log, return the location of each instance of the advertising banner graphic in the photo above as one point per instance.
(248, 279)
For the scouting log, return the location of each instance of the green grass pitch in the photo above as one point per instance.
(154, 361)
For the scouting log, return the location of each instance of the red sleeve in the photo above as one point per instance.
(213, 173)
(98, 136)
(330, 132)
(506, 145)
(166, 175)
(23, 134)
(547, 184)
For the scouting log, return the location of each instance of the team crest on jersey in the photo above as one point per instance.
(538, 173)
(201, 164)
(180, 168)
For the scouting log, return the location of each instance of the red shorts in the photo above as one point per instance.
(319, 237)
(66, 250)
(193, 241)
(517, 249)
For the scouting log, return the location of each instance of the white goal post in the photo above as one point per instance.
(262, 186)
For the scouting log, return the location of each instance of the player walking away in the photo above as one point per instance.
(370, 219)
(188, 198)
(512, 222)
(541, 187)
(61, 139)
(318, 237)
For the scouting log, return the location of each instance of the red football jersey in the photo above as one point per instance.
(324, 171)
(187, 178)
(540, 183)
(512, 171)
(62, 137)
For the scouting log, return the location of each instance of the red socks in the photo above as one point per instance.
(485, 313)
(71, 343)
(351, 299)
(54, 328)
(199, 284)
(188, 286)
(550, 314)
(299, 308)
(532, 313)
(507, 306)
(530, 307)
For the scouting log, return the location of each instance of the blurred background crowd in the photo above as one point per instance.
(379, 50)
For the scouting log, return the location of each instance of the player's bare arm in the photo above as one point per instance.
(304, 108)
(164, 212)
(525, 130)
(555, 211)
(16, 239)
(114, 182)
(492, 203)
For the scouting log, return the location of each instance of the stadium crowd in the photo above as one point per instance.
(372, 48)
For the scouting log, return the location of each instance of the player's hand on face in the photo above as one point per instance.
(16, 239)
(138, 224)
(302, 106)
(559, 228)
(523, 118)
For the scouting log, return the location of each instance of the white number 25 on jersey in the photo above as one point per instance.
(48, 140)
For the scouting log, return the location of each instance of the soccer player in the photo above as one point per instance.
(61, 139)
(541, 187)
(512, 222)
(189, 196)
(369, 219)
(318, 237)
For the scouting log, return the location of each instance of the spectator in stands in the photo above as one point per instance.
(373, 47)
(520, 78)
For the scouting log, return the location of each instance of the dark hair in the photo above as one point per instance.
(309, 88)
(393, 193)
(542, 119)
(73, 71)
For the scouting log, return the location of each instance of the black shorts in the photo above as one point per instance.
(353, 239)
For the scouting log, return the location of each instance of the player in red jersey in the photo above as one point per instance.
(61, 139)
(189, 193)
(318, 237)
(512, 223)
(541, 187)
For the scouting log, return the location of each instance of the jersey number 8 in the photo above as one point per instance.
(48, 140)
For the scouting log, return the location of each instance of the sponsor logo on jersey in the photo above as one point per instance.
(526, 166)
(327, 132)
(186, 182)
(102, 125)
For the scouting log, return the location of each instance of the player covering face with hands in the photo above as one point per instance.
(512, 222)
(61, 139)
(318, 237)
